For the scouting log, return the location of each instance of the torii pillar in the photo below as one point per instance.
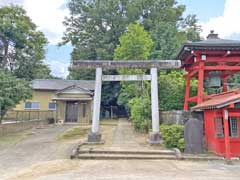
(155, 136)
(94, 136)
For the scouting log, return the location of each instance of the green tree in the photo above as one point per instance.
(135, 44)
(94, 29)
(21, 44)
(172, 90)
(12, 91)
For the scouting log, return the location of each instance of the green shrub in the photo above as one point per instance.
(181, 144)
(140, 113)
(173, 136)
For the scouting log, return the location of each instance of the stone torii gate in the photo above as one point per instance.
(95, 135)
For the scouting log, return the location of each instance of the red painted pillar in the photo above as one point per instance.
(226, 135)
(187, 93)
(200, 82)
(224, 81)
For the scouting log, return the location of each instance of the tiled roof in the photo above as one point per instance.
(59, 84)
(208, 44)
(219, 100)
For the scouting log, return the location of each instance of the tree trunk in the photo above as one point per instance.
(5, 55)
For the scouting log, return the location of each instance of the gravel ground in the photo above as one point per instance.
(130, 170)
(39, 146)
(41, 157)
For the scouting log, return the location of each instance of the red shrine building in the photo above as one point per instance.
(213, 61)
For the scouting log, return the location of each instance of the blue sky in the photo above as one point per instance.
(219, 15)
(204, 9)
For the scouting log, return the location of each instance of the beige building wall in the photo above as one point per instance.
(43, 97)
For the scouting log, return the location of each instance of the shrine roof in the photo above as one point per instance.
(212, 43)
(220, 100)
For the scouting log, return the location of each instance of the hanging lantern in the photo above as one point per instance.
(214, 79)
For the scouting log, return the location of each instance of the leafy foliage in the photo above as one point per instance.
(21, 56)
(134, 44)
(140, 113)
(12, 91)
(22, 46)
(94, 29)
(172, 89)
(173, 136)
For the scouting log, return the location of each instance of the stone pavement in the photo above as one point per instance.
(130, 170)
(123, 136)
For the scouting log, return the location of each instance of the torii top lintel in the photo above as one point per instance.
(131, 64)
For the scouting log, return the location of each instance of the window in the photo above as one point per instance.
(233, 127)
(84, 109)
(32, 105)
(52, 106)
(218, 122)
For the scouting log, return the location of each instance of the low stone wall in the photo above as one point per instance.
(20, 126)
(171, 117)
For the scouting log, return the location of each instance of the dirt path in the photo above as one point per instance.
(40, 146)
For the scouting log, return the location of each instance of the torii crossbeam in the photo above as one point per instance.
(95, 135)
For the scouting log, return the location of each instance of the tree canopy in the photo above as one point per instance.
(95, 30)
(135, 44)
(21, 56)
(21, 44)
(12, 91)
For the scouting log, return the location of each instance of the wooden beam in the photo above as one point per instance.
(192, 99)
(223, 59)
(226, 135)
(126, 77)
(222, 68)
(187, 93)
(132, 64)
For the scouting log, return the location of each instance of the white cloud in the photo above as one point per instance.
(226, 25)
(59, 69)
(48, 15)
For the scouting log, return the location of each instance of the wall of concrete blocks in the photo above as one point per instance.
(20, 126)
(171, 117)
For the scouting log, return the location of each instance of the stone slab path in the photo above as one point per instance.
(123, 136)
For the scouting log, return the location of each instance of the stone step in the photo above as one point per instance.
(125, 157)
(201, 157)
(139, 152)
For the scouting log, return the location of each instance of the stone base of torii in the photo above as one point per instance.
(154, 136)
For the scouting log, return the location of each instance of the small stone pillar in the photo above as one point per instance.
(154, 136)
(193, 136)
(95, 136)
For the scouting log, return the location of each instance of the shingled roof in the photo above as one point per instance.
(219, 100)
(213, 42)
(59, 84)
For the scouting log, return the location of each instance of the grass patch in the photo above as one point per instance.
(13, 138)
(72, 133)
